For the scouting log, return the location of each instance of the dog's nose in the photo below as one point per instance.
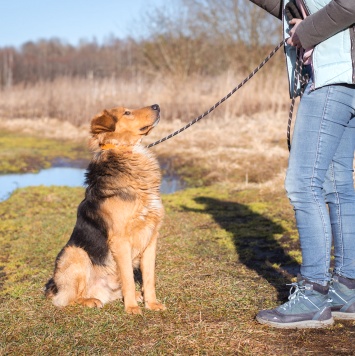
(155, 107)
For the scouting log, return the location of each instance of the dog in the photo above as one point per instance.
(118, 221)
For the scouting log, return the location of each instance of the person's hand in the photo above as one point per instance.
(293, 40)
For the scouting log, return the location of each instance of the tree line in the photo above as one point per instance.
(184, 38)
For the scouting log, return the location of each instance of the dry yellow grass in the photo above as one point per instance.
(245, 149)
(76, 99)
(242, 141)
(249, 149)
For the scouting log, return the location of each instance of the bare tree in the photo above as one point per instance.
(7, 68)
(207, 36)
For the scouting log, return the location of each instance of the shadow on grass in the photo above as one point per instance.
(254, 240)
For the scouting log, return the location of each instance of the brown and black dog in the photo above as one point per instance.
(118, 221)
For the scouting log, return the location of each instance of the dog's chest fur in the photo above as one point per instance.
(128, 185)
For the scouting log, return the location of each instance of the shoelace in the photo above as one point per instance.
(297, 292)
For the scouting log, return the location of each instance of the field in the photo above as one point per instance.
(228, 244)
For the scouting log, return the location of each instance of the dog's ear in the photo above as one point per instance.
(103, 123)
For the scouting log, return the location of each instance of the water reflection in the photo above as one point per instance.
(66, 176)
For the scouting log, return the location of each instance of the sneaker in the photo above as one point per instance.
(308, 307)
(342, 293)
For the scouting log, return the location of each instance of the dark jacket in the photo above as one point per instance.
(330, 29)
(334, 17)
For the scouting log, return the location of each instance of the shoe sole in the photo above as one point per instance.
(343, 316)
(305, 324)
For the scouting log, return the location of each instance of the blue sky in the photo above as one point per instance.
(70, 20)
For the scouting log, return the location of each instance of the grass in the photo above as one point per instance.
(243, 140)
(24, 153)
(215, 270)
(239, 150)
(76, 100)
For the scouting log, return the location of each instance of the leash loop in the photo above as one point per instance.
(272, 53)
(303, 80)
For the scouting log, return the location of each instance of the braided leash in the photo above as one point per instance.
(222, 100)
(303, 79)
(294, 94)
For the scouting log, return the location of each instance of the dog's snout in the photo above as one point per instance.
(155, 107)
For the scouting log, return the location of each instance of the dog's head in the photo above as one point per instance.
(124, 126)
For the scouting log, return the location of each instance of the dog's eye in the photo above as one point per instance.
(127, 113)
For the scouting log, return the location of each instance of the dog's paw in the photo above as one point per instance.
(91, 302)
(135, 310)
(155, 306)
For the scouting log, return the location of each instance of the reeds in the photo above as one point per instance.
(243, 140)
(77, 99)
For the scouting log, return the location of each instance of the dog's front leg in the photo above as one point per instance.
(148, 274)
(123, 258)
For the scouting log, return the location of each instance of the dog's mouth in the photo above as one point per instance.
(146, 129)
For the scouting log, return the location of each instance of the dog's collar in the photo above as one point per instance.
(110, 146)
(107, 146)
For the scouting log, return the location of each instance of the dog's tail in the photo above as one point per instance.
(50, 289)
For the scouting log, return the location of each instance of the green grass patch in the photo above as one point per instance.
(222, 256)
(23, 153)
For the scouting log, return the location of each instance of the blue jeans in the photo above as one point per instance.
(319, 180)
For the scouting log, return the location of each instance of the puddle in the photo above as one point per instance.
(66, 176)
(71, 177)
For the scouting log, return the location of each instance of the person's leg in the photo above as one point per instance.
(323, 116)
(339, 194)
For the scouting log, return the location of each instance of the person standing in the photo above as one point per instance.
(319, 179)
